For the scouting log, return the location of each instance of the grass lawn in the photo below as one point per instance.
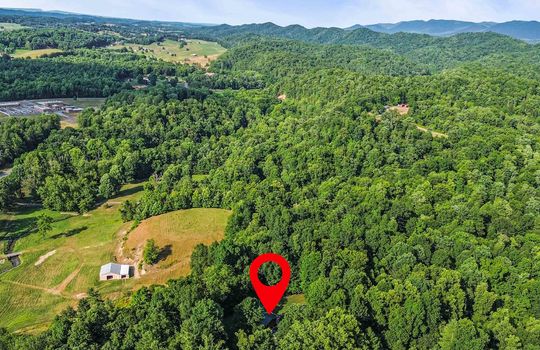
(10, 26)
(33, 293)
(24, 53)
(169, 50)
(27, 308)
(84, 102)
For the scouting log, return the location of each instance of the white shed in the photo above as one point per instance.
(112, 271)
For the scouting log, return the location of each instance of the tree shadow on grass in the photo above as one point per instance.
(129, 191)
(70, 232)
(16, 229)
(165, 252)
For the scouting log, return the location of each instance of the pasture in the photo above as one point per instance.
(58, 269)
(198, 52)
(176, 234)
(24, 53)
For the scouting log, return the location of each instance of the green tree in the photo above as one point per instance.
(336, 330)
(44, 224)
(204, 329)
(260, 339)
(151, 252)
(459, 332)
(108, 186)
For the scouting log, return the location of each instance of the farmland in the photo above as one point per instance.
(198, 52)
(24, 53)
(58, 269)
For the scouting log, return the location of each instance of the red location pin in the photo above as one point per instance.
(270, 295)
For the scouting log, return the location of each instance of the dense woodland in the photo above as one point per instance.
(398, 237)
(64, 39)
(21, 135)
(103, 73)
(82, 73)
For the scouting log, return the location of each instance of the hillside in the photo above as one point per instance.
(434, 52)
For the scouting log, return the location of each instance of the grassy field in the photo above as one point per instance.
(195, 52)
(24, 53)
(176, 234)
(58, 269)
(10, 26)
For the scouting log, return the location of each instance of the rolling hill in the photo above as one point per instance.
(524, 30)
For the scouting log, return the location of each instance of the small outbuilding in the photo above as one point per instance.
(112, 271)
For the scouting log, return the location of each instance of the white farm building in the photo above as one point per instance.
(112, 271)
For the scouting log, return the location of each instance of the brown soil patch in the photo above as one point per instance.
(42, 258)
(402, 110)
(201, 60)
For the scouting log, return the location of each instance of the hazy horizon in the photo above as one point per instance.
(316, 13)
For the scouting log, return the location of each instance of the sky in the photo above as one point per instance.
(309, 13)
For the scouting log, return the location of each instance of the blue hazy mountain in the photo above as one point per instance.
(524, 30)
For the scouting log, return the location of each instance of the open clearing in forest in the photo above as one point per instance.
(198, 52)
(176, 234)
(404, 110)
(10, 26)
(433, 133)
(24, 53)
(83, 102)
(31, 295)
(401, 109)
(295, 299)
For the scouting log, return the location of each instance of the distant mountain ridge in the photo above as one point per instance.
(63, 15)
(524, 30)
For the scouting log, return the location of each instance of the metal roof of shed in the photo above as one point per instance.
(117, 269)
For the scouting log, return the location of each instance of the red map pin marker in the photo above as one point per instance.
(270, 295)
